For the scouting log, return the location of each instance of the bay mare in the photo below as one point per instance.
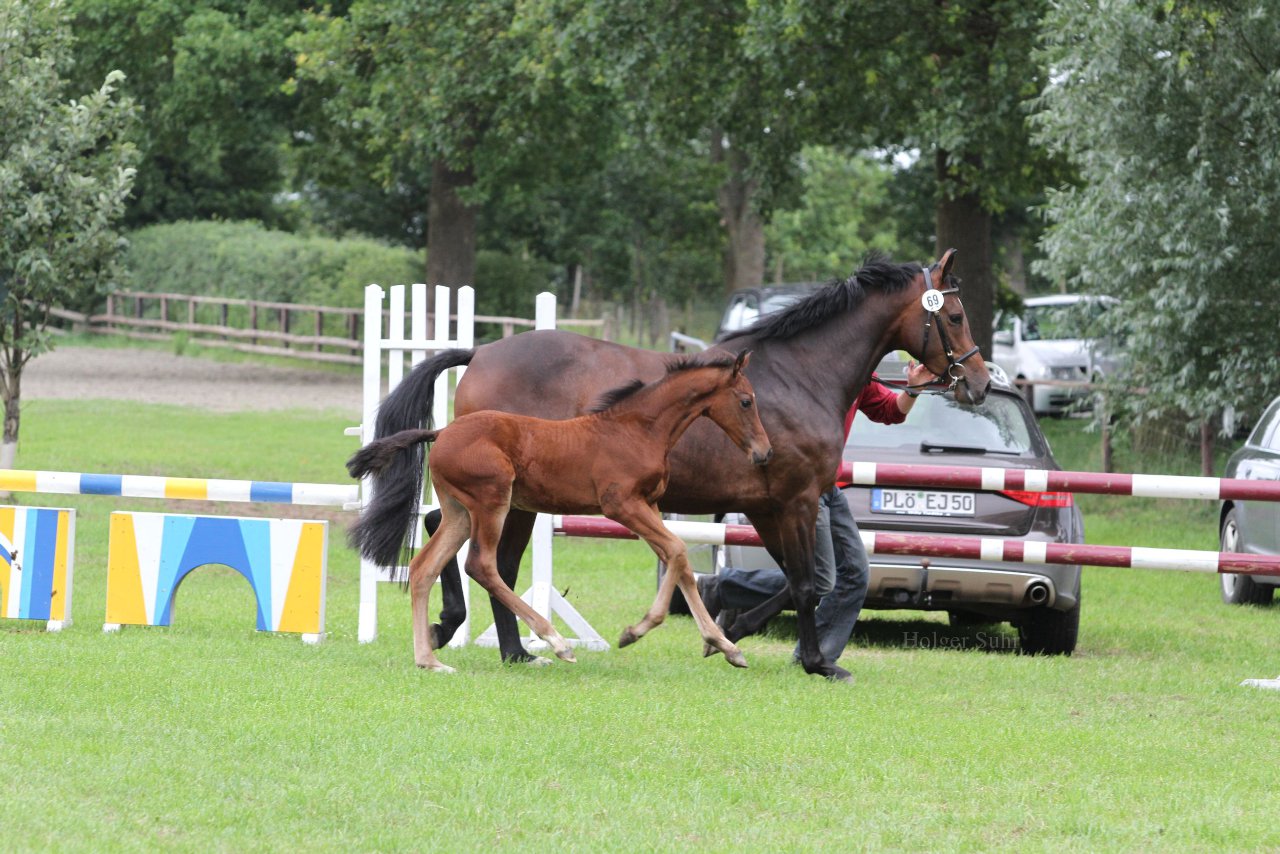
(808, 364)
(612, 461)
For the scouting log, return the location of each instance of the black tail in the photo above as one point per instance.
(378, 454)
(388, 522)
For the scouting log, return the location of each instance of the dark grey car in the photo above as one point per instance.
(748, 305)
(1041, 600)
(1253, 527)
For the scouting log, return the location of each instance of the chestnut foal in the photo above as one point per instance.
(611, 461)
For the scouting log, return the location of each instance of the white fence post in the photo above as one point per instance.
(395, 347)
(542, 595)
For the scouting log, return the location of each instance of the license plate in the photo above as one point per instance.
(916, 502)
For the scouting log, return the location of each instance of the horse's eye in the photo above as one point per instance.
(746, 403)
(956, 319)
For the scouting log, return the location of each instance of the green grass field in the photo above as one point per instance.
(209, 736)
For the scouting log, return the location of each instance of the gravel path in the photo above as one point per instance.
(154, 376)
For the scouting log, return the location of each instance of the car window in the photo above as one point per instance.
(778, 302)
(1060, 321)
(999, 424)
(740, 314)
(1267, 433)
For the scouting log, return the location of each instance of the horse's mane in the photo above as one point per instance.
(614, 396)
(877, 273)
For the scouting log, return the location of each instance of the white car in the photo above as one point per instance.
(1044, 343)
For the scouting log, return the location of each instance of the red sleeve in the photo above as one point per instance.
(877, 402)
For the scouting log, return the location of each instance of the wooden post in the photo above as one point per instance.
(319, 327)
(1206, 448)
(284, 324)
(253, 321)
(1105, 417)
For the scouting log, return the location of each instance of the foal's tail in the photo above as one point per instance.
(374, 457)
(388, 522)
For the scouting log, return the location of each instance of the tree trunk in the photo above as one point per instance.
(963, 225)
(744, 256)
(451, 229)
(1015, 261)
(1206, 447)
(12, 410)
(577, 291)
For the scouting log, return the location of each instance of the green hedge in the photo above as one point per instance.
(246, 261)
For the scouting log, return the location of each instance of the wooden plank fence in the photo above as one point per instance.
(312, 332)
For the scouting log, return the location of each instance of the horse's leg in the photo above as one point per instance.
(423, 571)
(646, 521)
(516, 531)
(486, 531)
(794, 531)
(792, 535)
(453, 612)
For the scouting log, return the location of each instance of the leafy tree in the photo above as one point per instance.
(847, 211)
(952, 80)
(1171, 112)
(209, 74)
(690, 76)
(65, 172)
(472, 95)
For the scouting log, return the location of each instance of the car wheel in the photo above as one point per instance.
(1239, 589)
(1044, 631)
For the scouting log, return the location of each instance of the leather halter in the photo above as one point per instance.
(930, 315)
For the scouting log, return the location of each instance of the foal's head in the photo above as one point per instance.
(733, 407)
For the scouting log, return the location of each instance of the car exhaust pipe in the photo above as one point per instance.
(1038, 593)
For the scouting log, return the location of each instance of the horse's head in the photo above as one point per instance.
(733, 408)
(935, 330)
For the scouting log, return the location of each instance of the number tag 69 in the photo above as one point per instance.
(932, 300)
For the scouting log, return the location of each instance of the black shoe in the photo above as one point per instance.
(709, 591)
(726, 618)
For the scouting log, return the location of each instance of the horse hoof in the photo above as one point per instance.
(566, 654)
(839, 674)
(437, 668)
(628, 637)
(537, 661)
(736, 658)
(708, 650)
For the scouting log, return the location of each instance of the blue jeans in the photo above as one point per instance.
(841, 577)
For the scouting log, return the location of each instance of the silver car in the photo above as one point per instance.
(1253, 527)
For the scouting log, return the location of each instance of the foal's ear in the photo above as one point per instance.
(945, 263)
(741, 363)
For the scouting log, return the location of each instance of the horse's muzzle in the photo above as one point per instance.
(973, 393)
(760, 459)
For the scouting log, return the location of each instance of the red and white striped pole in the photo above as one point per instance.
(1042, 480)
(976, 548)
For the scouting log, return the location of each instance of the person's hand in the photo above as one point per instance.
(918, 374)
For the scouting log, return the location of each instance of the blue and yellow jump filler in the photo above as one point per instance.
(37, 559)
(284, 560)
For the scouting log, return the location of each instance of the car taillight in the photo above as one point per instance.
(1039, 499)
